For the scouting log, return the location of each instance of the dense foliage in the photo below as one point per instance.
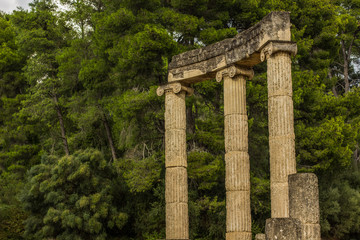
(82, 129)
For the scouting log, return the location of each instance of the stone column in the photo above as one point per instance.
(176, 187)
(237, 182)
(304, 204)
(281, 123)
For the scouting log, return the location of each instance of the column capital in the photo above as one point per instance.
(272, 47)
(175, 88)
(232, 71)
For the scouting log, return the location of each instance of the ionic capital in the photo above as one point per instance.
(277, 46)
(175, 88)
(232, 71)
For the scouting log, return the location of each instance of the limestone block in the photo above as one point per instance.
(279, 71)
(175, 148)
(237, 168)
(177, 221)
(304, 203)
(176, 188)
(175, 110)
(304, 197)
(260, 236)
(238, 213)
(279, 199)
(282, 158)
(238, 236)
(236, 133)
(281, 116)
(235, 95)
(275, 26)
(311, 232)
(283, 229)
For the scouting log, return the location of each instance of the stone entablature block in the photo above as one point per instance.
(244, 49)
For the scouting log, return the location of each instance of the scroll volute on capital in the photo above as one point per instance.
(233, 71)
(175, 88)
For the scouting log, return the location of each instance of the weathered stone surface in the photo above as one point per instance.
(281, 150)
(238, 214)
(237, 168)
(304, 203)
(174, 110)
(279, 199)
(244, 49)
(260, 236)
(177, 221)
(238, 236)
(311, 231)
(304, 197)
(175, 148)
(198, 72)
(176, 187)
(283, 124)
(236, 133)
(283, 229)
(202, 54)
(234, 95)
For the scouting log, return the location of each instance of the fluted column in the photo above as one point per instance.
(176, 187)
(237, 182)
(281, 123)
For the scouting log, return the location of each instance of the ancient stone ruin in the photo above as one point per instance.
(294, 197)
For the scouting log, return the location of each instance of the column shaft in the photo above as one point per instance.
(238, 213)
(176, 187)
(281, 131)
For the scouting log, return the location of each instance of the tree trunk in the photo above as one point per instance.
(190, 120)
(346, 76)
(346, 57)
(109, 137)
(356, 159)
(62, 127)
(333, 88)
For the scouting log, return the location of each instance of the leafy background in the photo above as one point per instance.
(82, 129)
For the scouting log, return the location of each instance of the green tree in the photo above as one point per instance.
(40, 40)
(72, 197)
